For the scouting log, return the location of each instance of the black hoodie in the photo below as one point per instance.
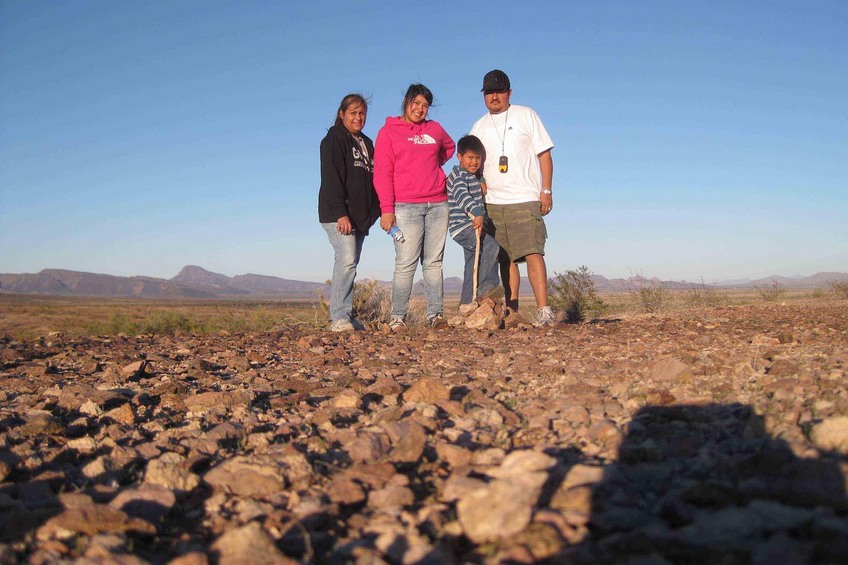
(347, 180)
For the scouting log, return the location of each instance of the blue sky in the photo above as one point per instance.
(693, 140)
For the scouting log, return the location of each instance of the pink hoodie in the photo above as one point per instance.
(408, 161)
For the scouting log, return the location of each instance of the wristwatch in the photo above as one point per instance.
(546, 191)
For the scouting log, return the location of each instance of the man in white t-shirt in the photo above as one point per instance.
(519, 174)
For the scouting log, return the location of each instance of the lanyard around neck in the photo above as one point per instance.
(501, 137)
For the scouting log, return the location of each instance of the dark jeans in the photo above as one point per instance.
(487, 271)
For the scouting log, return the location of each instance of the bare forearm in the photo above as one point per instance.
(546, 163)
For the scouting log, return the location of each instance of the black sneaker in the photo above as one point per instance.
(438, 321)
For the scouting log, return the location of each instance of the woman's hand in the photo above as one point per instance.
(387, 220)
(344, 226)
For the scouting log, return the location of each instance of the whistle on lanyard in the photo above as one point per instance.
(503, 164)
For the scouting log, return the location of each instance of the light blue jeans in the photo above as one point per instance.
(424, 227)
(488, 276)
(347, 250)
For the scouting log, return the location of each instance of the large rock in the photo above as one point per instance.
(260, 476)
(484, 318)
(346, 399)
(498, 510)
(249, 545)
(171, 471)
(427, 390)
(346, 491)
(91, 519)
(205, 401)
(149, 502)
(669, 369)
(39, 423)
(831, 435)
(408, 439)
(504, 507)
(135, 370)
(366, 446)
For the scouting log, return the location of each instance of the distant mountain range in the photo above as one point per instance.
(190, 282)
(197, 282)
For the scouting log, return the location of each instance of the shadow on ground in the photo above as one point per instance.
(707, 484)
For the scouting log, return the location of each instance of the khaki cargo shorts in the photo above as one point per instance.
(519, 228)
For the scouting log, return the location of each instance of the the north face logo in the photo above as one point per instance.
(422, 140)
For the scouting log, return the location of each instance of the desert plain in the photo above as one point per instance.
(703, 434)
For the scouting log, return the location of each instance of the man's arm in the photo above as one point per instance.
(546, 163)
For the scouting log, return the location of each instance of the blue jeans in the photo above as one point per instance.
(487, 271)
(347, 249)
(424, 228)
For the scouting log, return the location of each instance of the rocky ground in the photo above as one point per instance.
(710, 436)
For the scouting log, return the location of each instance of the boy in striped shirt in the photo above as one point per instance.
(466, 188)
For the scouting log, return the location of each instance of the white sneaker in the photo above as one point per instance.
(397, 325)
(342, 326)
(544, 317)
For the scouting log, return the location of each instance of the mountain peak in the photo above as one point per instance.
(194, 275)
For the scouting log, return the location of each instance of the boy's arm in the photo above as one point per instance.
(464, 199)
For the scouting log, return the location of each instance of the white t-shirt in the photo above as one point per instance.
(519, 134)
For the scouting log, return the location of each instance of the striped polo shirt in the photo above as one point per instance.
(464, 195)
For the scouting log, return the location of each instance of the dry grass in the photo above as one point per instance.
(27, 317)
(839, 288)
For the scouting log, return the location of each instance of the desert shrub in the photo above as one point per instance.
(573, 293)
(840, 288)
(372, 302)
(705, 295)
(651, 295)
(172, 323)
(322, 302)
(256, 319)
(117, 323)
(772, 292)
(159, 323)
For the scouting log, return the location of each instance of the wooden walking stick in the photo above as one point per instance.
(476, 260)
(477, 233)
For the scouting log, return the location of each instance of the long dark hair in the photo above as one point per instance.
(412, 93)
(352, 99)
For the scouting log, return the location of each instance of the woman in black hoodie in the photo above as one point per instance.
(347, 202)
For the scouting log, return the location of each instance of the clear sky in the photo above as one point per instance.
(693, 140)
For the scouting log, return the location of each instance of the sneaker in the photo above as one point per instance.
(544, 317)
(397, 325)
(438, 321)
(342, 326)
(357, 325)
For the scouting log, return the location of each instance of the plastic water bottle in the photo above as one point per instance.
(396, 234)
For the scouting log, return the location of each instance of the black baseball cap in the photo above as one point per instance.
(495, 81)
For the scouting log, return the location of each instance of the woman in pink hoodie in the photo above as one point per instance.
(410, 183)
